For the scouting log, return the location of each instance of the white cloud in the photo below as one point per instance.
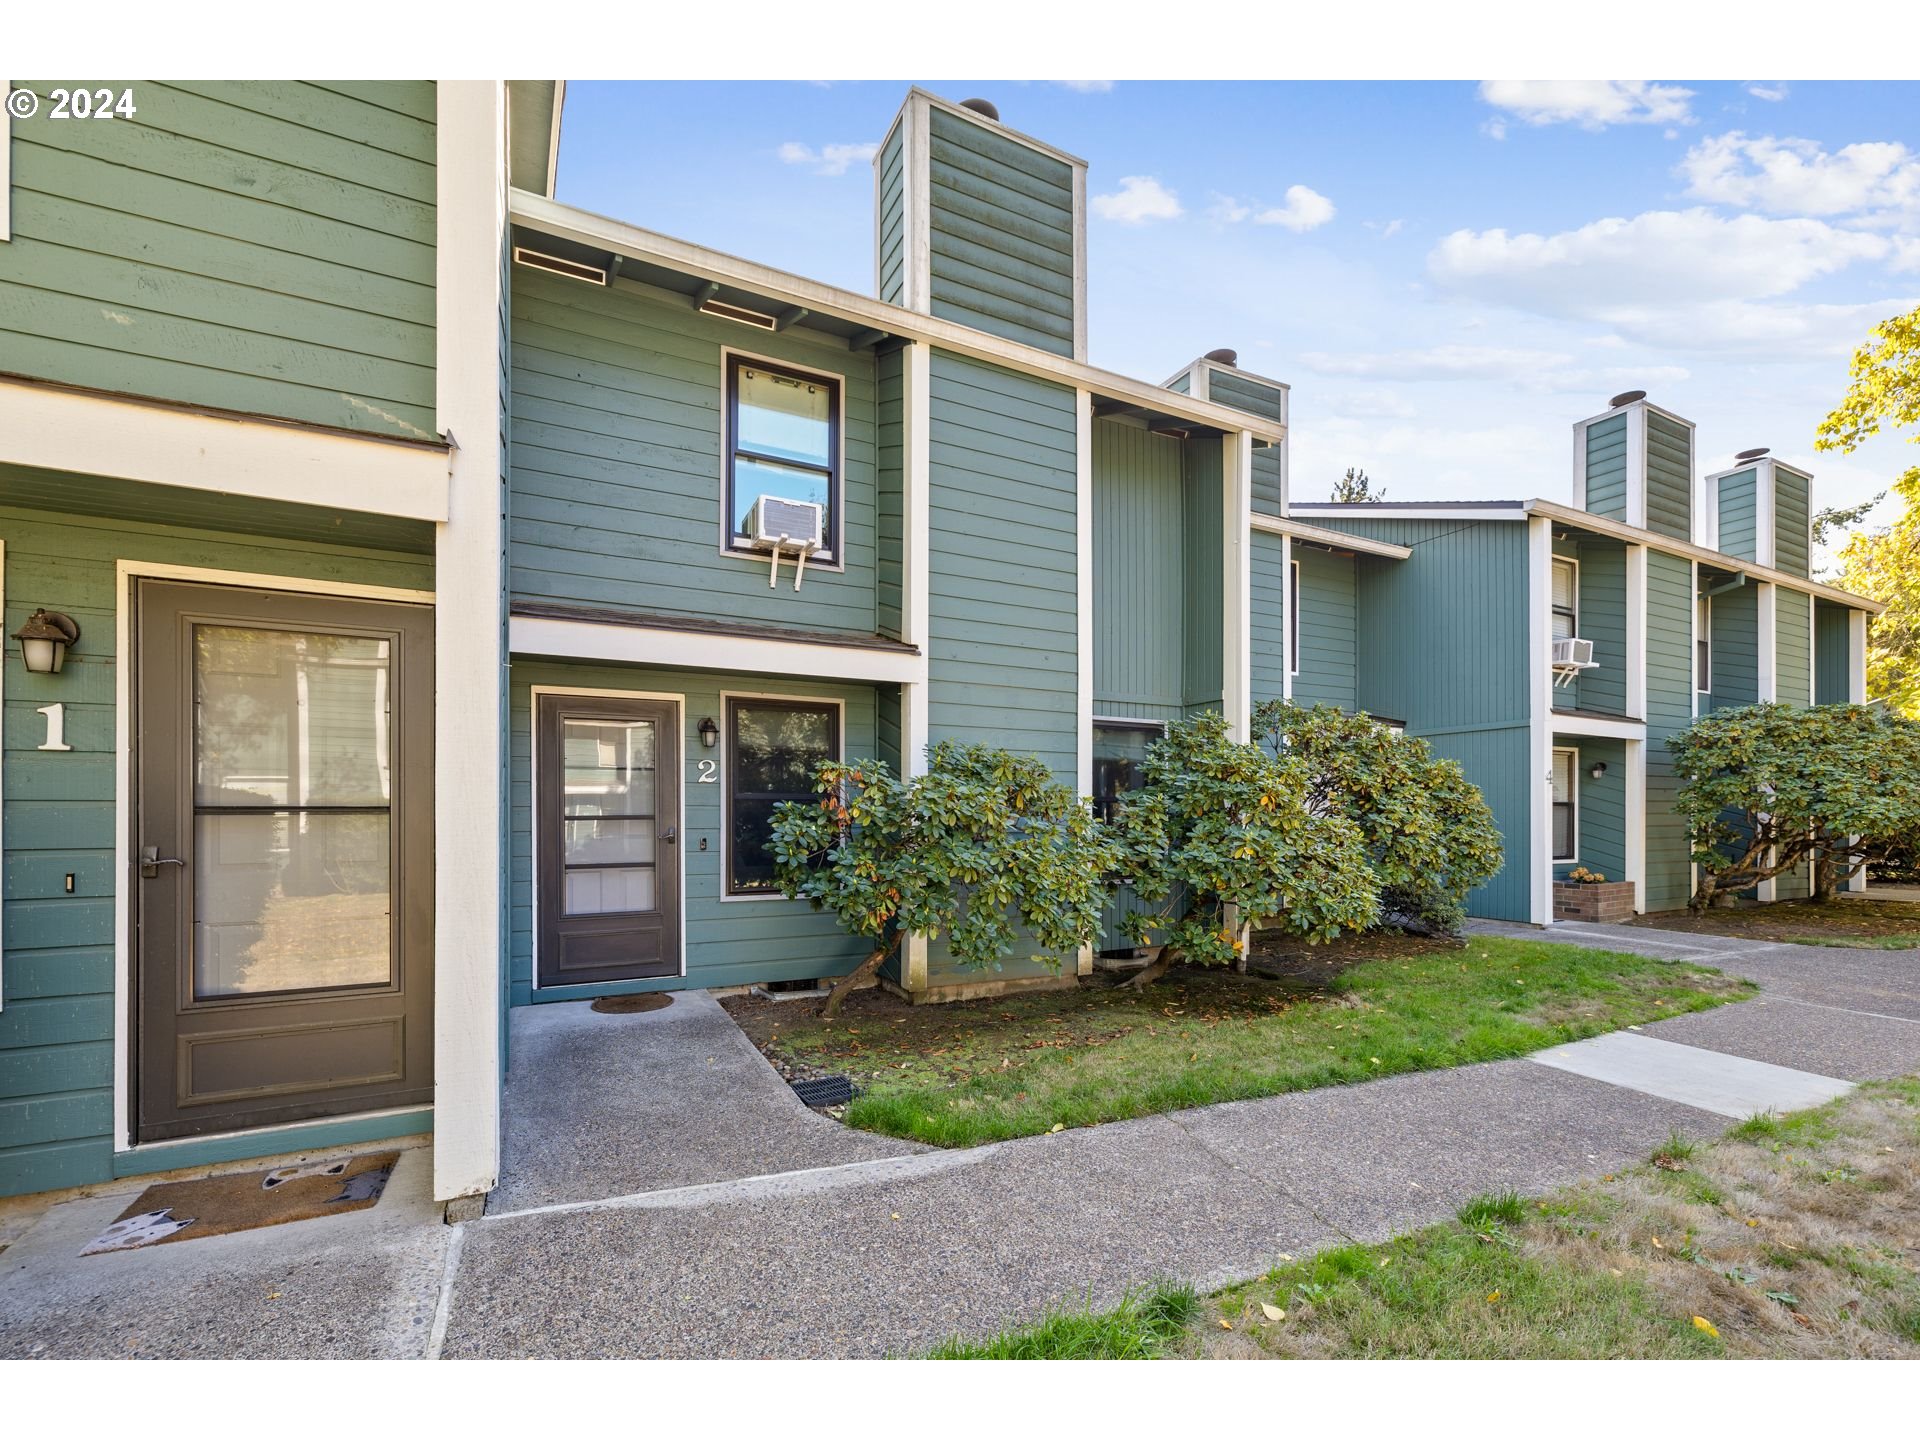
(828, 159)
(1767, 89)
(1305, 210)
(1225, 210)
(1387, 230)
(1139, 199)
(1785, 176)
(1087, 87)
(1369, 405)
(1781, 332)
(1590, 104)
(1496, 128)
(1525, 368)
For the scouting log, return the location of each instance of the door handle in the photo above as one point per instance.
(669, 835)
(151, 860)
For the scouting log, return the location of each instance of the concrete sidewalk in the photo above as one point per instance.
(870, 1247)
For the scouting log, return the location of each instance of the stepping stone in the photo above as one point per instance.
(1727, 1085)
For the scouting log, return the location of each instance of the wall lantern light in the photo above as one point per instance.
(45, 640)
(1599, 769)
(709, 733)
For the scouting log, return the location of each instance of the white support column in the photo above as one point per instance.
(1767, 663)
(916, 245)
(1236, 646)
(1289, 662)
(1637, 466)
(1636, 822)
(1083, 570)
(1637, 631)
(1540, 720)
(1766, 490)
(1857, 694)
(469, 642)
(916, 526)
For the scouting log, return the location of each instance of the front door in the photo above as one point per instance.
(282, 857)
(608, 793)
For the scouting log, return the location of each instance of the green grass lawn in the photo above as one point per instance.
(1792, 1237)
(959, 1075)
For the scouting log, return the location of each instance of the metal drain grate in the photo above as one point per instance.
(632, 1004)
(828, 1090)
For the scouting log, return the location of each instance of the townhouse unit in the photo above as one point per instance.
(419, 593)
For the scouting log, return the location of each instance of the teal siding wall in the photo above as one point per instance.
(1269, 402)
(890, 284)
(1328, 610)
(1738, 536)
(1736, 649)
(889, 482)
(56, 1026)
(263, 246)
(1792, 536)
(1002, 664)
(1001, 234)
(1832, 654)
(1601, 814)
(1603, 620)
(1607, 468)
(1670, 618)
(1669, 477)
(1268, 638)
(616, 463)
(1202, 540)
(1793, 646)
(1138, 566)
(1496, 760)
(728, 942)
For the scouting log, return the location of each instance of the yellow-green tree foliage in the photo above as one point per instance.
(1883, 391)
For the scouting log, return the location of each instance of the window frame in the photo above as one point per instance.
(1572, 611)
(1703, 636)
(1155, 728)
(1293, 617)
(832, 556)
(1572, 802)
(728, 699)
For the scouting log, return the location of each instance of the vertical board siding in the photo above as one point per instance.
(1328, 610)
(1670, 619)
(251, 245)
(1203, 652)
(890, 283)
(1739, 536)
(1138, 565)
(890, 482)
(727, 942)
(1003, 649)
(1736, 647)
(1269, 402)
(1793, 646)
(618, 412)
(1832, 653)
(1268, 620)
(1600, 819)
(1495, 760)
(1001, 235)
(1669, 477)
(1792, 535)
(1607, 467)
(56, 1026)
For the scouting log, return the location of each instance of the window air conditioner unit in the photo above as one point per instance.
(775, 524)
(1571, 655)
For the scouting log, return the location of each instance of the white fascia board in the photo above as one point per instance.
(700, 650)
(553, 137)
(551, 218)
(1579, 491)
(1413, 512)
(1595, 728)
(1320, 535)
(50, 427)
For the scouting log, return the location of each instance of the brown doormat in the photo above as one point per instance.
(632, 1004)
(251, 1200)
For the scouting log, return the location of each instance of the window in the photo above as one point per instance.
(1119, 753)
(1566, 599)
(1293, 619)
(1703, 645)
(1566, 808)
(773, 749)
(783, 429)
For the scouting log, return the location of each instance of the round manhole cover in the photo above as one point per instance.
(632, 1004)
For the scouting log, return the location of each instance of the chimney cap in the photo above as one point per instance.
(1753, 454)
(1626, 397)
(981, 107)
(1223, 357)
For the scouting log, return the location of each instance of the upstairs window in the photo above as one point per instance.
(774, 749)
(783, 440)
(1566, 599)
(1703, 646)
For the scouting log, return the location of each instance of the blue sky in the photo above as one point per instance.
(1448, 274)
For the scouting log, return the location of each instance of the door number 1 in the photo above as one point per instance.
(56, 727)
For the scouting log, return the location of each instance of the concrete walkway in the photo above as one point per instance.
(887, 1250)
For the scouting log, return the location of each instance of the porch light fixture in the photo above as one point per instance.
(709, 733)
(1598, 768)
(45, 640)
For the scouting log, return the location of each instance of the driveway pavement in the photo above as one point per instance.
(861, 1246)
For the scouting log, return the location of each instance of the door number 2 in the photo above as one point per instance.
(56, 727)
(709, 772)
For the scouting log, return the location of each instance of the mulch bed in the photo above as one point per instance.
(1794, 920)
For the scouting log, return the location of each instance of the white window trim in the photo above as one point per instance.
(725, 747)
(1293, 619)
(594, 692)
(826, 560)
(1703, 633)
(1573, 801)
(6, 164)
(1574, 565)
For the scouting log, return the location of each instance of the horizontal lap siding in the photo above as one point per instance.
(1669, 478)
(56, 1023)
(1832, 653)
(1670, 618)
(1001, 235)
(252, 245)
(618, 399)
(891, 241)
(1137, 573)
(1327, 629)
(1738, 535)
(1268, 621)
(1607, 467)
(1791, 537)
(1269, 402)
(727, 942)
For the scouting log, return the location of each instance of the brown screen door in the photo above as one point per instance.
(282, 857)
(609, 857)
